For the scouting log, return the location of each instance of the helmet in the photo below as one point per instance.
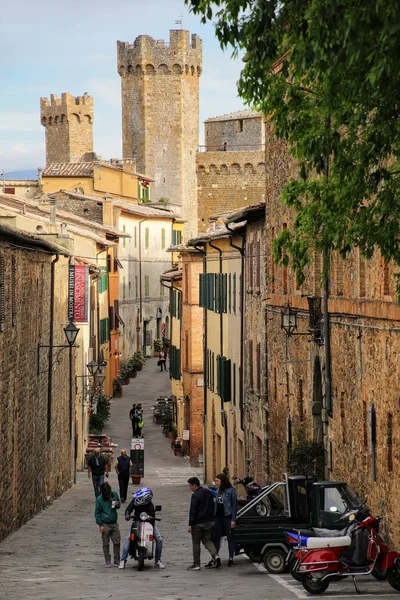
(142, 496)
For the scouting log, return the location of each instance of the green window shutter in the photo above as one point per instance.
(179, 237)
(173, 305)
(201, 290)
(178, 305)
(234, 383)
(217, 294)
(163, 239)
(107, 329)
(230, 293)
(226, 380)
(213, 372)
(146, 237)
(234, 294)
(219, 375)
(224, 285)
(178, 352)
(174, 237)
(101, 331)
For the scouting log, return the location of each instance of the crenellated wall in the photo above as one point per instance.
(69, 128)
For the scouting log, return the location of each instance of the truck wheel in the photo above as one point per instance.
(141, 559)
(394, 578)
(314, 585)
(274, 561)
(253, 554)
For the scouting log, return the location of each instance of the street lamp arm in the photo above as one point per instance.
(57, 360)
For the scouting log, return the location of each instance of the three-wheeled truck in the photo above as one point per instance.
(298, 502)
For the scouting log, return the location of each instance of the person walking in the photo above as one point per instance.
(225, 515)
(162, 360)
(133, 418)
(122, 467)
(201, 523)
(107, 519)
(98, 466)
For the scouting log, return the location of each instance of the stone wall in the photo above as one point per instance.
(365, 370)
(227, 181)
(236, 134)
(69, 128)
(160, 111)
(34, 470)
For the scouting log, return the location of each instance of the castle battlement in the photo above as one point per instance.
(182, 55)
(69, 127)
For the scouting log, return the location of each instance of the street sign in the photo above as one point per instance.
(137, 456)
(137, 444)
(186, 434)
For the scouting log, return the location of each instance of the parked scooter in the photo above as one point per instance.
(141, 544)
(252, 490)
(360, 552)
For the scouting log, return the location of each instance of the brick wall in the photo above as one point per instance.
(34, 470)
(228, 180)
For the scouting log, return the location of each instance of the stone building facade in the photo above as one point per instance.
(37, 446)
(160, 114)
(68, 122)
(231, 171)
(364, 320)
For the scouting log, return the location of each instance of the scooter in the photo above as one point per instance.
(360, 552)
(252, 490)
(141, 543)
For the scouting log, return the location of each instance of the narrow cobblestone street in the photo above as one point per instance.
(58, 554)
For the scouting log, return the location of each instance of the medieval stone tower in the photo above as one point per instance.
(69, 128)
(160, 115)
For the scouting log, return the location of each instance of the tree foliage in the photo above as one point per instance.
(335, 99)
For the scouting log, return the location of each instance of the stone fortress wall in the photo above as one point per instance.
(69, 128)
(231, 171)
(160, 113)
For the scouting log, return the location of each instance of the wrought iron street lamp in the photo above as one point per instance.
(288, 319)
(71, 331)
(92, 367)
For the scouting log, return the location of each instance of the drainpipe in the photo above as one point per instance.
(51, 342)
(205, 366)
(140, 282)
(327, 336)
(221, 344)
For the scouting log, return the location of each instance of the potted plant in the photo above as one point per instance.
(136, 479)
(139, 359)
(117, 387)
(132, 368)
(125, 373)
(178, 450)
(158, 346)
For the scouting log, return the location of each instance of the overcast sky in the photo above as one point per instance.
(53, 47)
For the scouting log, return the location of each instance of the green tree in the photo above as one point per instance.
(327, 74)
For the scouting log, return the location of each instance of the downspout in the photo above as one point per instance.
(221, 344)
(51, 342)
(140, 280)
(205, 366)
(241, 249)
(327, 334)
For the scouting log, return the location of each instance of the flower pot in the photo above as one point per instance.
(139, 368)
(166, 433)
(178, 451)
(170, 435)
(136, 479)
(125, 381)
(117, 394)
(172, 443)
(133, 374)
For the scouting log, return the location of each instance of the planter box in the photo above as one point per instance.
(125, 381)
(133, 374)
(117, 394)
(136, 479)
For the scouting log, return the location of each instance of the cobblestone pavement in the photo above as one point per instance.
(58, 554)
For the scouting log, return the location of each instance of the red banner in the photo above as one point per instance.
(78, 293)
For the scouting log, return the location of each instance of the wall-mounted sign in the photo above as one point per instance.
(78, 293)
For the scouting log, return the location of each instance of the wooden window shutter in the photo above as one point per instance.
(224, 278)
(258, 363)
(147, 237)
(234, 293)
(146, 286)
(258, 265)
(13, 291)
(251, 364)
(227, 383)
(2, 300)
(163, 239)
(230, 293)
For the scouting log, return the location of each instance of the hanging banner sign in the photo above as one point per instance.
(78, 293)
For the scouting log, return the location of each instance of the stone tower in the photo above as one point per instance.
(69, 128)
(160, 115)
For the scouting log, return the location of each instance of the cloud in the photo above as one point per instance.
(20, 157)
(107, 90)
(20, 122)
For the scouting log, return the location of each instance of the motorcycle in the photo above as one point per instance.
(361, 551)
(252, 490)
(141, 542)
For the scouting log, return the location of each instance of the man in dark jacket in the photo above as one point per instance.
(122, 467)
(201, 523)
(98, 466)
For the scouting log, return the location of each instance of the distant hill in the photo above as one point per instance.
(28, 174)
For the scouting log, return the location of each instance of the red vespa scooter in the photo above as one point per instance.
(358, 553)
